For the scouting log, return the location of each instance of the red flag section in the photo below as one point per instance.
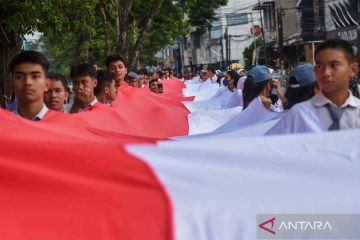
(75, 185)
(140, 112)
(69, 177)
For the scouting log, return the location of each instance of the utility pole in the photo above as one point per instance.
(229, 49)
(226, 36)
(222, 54)
(254, 37)
(280, 36)
(263, 34)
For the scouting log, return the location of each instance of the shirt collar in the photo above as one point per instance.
(90, 104)
(39, 116)
(94, 102)
(320, 100)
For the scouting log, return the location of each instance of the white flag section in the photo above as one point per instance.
(255, 120)
(195, 80)
(207, 121)
(217, 185)
(255, 113)
(223, 99)
(202, 91)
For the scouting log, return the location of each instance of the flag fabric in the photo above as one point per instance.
(223, 99)
(218, 185)
(111, 172)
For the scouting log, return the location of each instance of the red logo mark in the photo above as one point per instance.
(272, 221)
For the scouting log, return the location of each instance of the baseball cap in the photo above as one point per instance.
(304, 75)
(260, 73)
(133, 75)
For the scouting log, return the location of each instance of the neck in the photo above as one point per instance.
(91, 98)
(59, 110)
(102, 98)
(120, 81)
(338, 98)
(30, 110)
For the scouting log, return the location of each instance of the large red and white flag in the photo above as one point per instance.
(108, 174)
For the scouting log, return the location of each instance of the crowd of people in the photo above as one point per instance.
(35, 90)
(310, 92)
(320, 91)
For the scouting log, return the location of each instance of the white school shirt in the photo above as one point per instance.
(38, 116)
(69, 106)
(310, 116)
(349, 119)
(214, 79)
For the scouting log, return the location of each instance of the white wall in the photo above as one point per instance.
(237, 44)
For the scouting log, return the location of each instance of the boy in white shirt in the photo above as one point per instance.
(334, 107)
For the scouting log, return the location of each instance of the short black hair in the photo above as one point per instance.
(169, 70)
(59, 77)
(337, 44)
(151, 81)
(30, 57)
(83, 69)
(143, 71)
(211, 69)
(104, 78)
(113, 58)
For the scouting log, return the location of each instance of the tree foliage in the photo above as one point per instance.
(88, 31)
(201, 12)
(249, 52)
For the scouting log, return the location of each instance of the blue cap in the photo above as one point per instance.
(304, 75)
(260, 73)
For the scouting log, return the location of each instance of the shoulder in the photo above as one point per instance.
(302, 107)
(356, 101)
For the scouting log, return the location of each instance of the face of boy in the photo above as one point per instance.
(333, 71)
(167, 74)
(135, 83)
(119, 69)
(84, 88)
(111, 90)
(29, 82)
(56, 96)
(154, 87)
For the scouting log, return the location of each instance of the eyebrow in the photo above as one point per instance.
(34, 72)
(333, 61)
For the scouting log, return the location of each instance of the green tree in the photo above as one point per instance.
(88, 31)
(249, 53)
(201, 13)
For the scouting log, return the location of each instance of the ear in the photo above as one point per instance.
(47, 84)
(106, 89)
(95, 82)
(354, 67)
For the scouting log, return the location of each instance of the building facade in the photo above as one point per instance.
(223, 43)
